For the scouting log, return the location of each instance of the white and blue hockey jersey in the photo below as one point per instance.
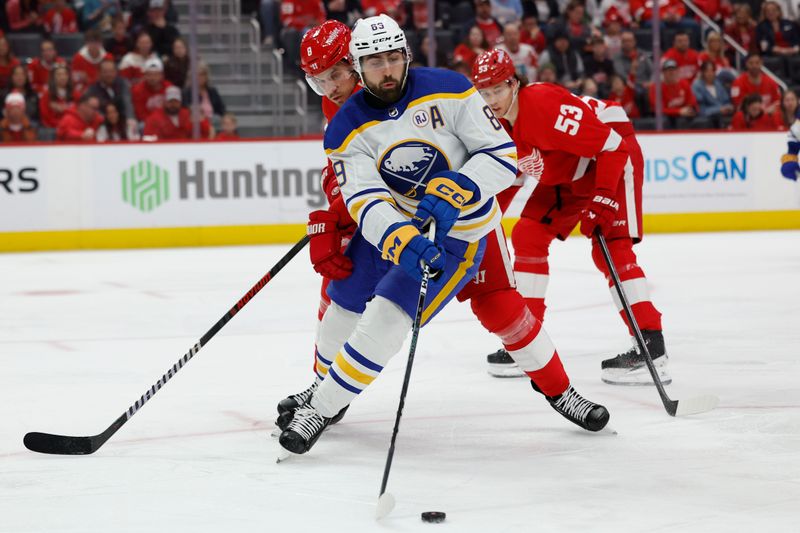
(384, 158)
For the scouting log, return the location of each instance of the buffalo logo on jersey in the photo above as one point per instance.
(408, 166)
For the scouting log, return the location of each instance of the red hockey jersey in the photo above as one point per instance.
(570, 135)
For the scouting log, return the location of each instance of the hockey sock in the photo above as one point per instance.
(505, 314)
(531, 242)
(633, 281)
(378, 335)
(324, 299)
(336, 326)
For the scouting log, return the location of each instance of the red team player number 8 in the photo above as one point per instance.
(566, 124)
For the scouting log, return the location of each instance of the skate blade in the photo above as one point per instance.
(385, 505)
(608, 431)
(505, 371)
(283, 455)
(275, 433)
(639, 377)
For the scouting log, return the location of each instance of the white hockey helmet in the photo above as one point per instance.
(374, 35)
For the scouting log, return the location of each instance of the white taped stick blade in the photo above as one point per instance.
(385, 506)
(697, 404)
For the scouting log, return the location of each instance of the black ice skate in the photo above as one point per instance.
(288, 405)
(577, 409)
(303, 431)
(629, 368)
(293, 401)
(501, 365)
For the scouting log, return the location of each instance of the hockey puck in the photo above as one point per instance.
(433, 517)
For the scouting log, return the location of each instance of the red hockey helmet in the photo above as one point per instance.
(323, 46)
(492, 67)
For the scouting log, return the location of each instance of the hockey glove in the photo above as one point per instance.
(789, 167)
(445, 196)
(600, 213)
(403, 245)
(325, 245)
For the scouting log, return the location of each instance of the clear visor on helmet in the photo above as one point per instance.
(496, 93)
(381, 61)
(327, 81)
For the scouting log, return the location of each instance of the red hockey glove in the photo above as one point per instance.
(600, 213)
(326, 246)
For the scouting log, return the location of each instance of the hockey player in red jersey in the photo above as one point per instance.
(325, 51)
(589, 168)
(492, 294)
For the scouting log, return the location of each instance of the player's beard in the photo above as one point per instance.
(388, 95)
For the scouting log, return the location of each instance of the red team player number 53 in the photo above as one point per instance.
(565, 123)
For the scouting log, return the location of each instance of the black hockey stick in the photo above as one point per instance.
(694, 405)
(65, 445)
(385, 499)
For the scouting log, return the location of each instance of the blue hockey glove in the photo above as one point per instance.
(445, 196)
(403, 245)
(789, 167)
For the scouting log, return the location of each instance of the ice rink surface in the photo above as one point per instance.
(84, 334)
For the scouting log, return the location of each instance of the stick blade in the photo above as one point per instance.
(385, 505)
(58, 444)
(697, 404)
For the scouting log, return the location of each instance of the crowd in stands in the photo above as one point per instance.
(601, 48)
(101, 71)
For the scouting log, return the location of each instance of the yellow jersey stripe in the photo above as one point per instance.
(356, 207)
(466, 264)
(442, 96)
(352, 135)
(352, 371)
(488, 219)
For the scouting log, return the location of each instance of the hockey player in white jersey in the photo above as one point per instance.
(789, 165)
(414, 145)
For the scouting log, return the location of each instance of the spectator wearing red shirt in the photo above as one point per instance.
(80, 122)
(86, 62)
(57, 97)
(228, 126)
(751, 81)
(684, 56)
(717, 10)
(752, 117)
(16, 127)
(623, 94)
(131, 67)
(23, 16)
(148, 94)
(60, 18)
(672, 14)
(678, 102)
(39, 68)
(301, 14)
(471, 47)
(532, 34)
(297, 16)
(7, 63)
(742, 30)
(669, 10)
(483, 19)
(173, 121)
(396, 9)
